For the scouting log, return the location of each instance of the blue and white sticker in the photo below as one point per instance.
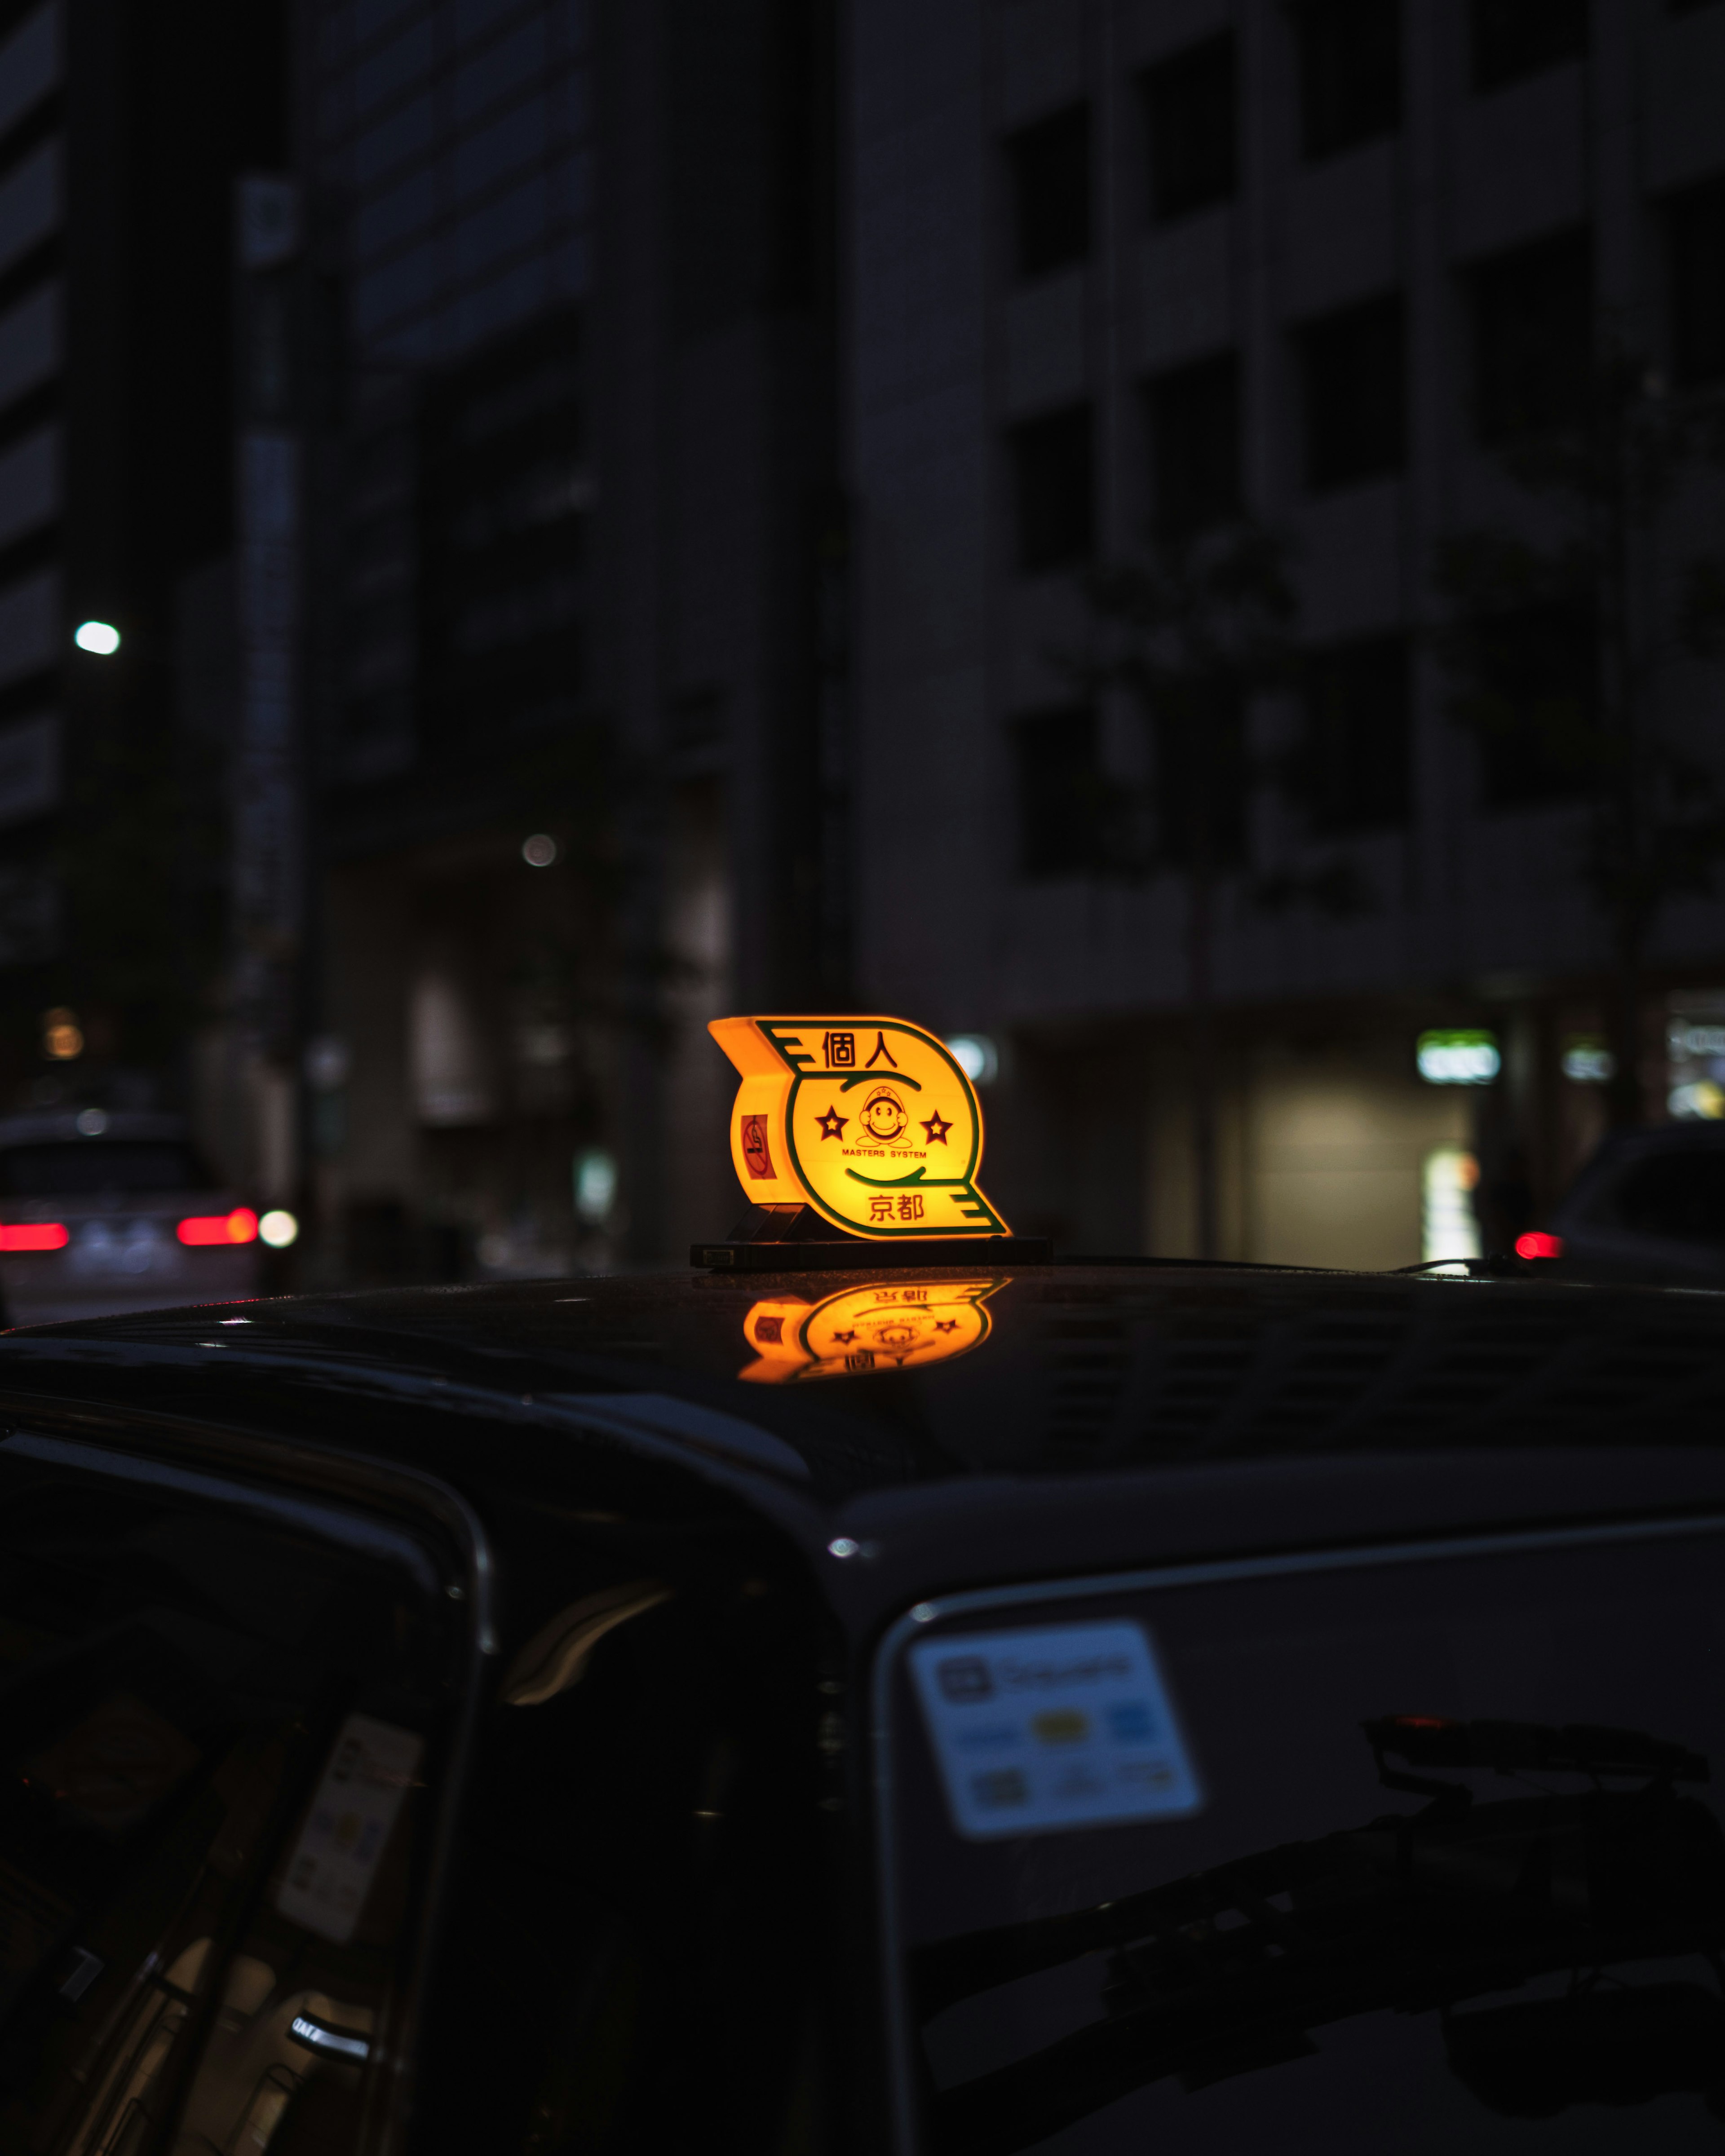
(1068, 1726)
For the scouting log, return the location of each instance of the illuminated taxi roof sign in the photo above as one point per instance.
(869, 1121)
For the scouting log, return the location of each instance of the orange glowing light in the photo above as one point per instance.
(863, 1331)
(870, 1121)
(238, 1226)
(62, 1036)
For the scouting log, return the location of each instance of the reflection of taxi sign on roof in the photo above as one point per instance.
(869, 1121)
(862, 1331)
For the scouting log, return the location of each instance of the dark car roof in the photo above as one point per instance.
(1115, 1416)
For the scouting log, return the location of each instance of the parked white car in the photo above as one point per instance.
(103, 1214)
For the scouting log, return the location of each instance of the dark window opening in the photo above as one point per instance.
(1515, 38)
(1048, 166)
(1694, 270)
(1054, 488)
(1190, 114)
(1201, 777)
(1357, 735)
(1353, 377)
(506, 494)
(1533, 705)
(1350, 61)
(1533, 326)
(1193, 415)
(1060, 791)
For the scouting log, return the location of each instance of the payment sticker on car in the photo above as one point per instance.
(1070, 1726)
(365, 1783)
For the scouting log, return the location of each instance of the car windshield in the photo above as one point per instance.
(1421, 1853)
(84, 1167)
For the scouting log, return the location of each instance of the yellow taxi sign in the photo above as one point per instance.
(871, 1121)
(862, 1331)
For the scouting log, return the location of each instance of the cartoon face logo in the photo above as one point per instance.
(884, 1115)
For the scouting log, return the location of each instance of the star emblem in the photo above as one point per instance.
(844, 1339)
(832, 1124)
(936, 1128)
(946, 1325)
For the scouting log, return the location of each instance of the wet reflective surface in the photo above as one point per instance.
(1457, 1878)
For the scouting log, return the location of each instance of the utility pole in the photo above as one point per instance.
(268, 893)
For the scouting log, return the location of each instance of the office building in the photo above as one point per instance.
(569, 614)
(1120, 272)
(122, 130)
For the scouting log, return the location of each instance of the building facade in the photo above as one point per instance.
(569, 606)
(122, 131)
(1122, 273)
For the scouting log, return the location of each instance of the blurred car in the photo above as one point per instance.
(947, 1709)
(104, 1212)
(1650, 1205)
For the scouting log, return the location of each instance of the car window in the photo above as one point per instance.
(222, 1728)
(1678, 1195)
(1420, 1855)
(642, 1904)
(86, 1168)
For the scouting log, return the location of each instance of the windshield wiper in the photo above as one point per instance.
(1229, 1969)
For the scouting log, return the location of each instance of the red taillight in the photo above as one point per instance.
(238, 1226)
(1537, 1245)
(33, 1235)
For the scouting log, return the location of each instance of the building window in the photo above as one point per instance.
(1694, 272)
(506, 498)
(1060, 792)
(1054, 488)
(1048, 168)
(1350, 61)
(1190, 118)
(1532, 328)
(1194, 416)
(1353, 372)
(1511, 39)
(1532, 703)
(1202, 779)
(1356, 754)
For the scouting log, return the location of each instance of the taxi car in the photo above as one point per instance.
(832, 1701)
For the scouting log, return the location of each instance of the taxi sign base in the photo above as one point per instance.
(795, 1238)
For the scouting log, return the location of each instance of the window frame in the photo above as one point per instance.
(1485, 279)
(1487, 74)
(375, 1512)
(1327, 822)
(1162, 77)
(1161, 390)
(1069, 551)
(1029, 264)
(1321, 477)
(1045, 864)
(1321, 136)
